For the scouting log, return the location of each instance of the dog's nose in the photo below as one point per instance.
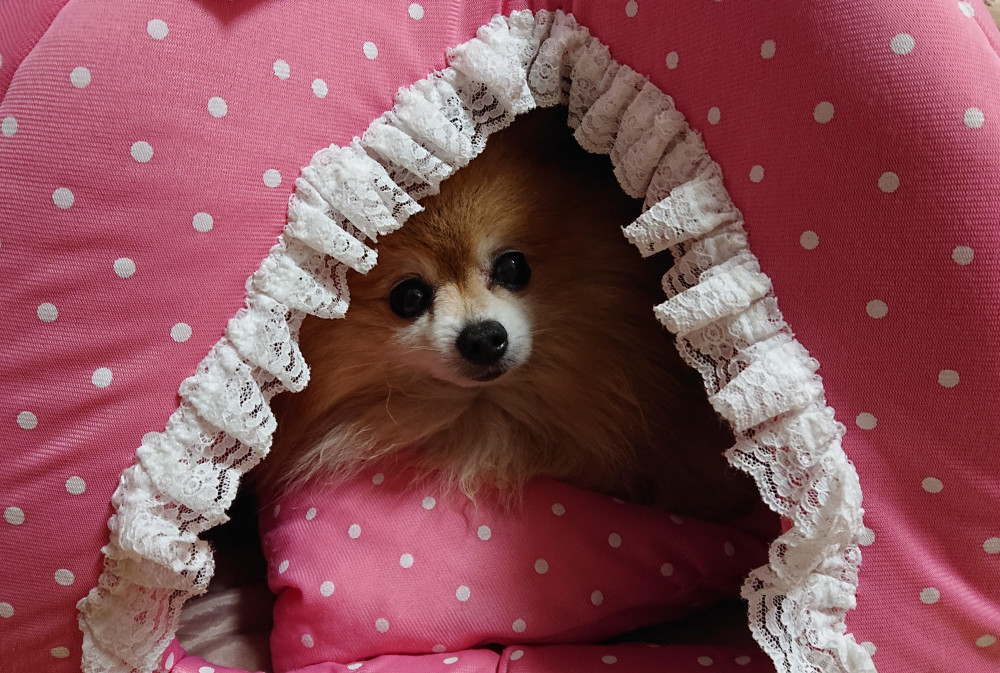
(482, 342)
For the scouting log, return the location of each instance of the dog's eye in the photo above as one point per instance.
(410, 298)
(511, 270)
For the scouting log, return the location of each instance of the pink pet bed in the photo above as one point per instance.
(839, 157)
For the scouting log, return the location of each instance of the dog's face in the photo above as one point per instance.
(454, 294)
(469, 327)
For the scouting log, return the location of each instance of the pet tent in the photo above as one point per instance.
(838, 157)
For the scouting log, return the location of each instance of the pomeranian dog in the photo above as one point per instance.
(508, 333)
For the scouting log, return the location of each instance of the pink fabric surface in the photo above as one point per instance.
(376, 567)
(860, 140)
(526, 659)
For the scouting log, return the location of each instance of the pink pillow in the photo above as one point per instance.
(377, 567)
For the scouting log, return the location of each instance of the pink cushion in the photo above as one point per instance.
(375, 567)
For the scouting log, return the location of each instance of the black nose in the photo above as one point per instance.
(482, 342)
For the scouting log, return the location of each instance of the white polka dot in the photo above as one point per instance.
(484, 533)
(631, 8)
(59, 652)
(823, 112)
(378, 478)
(667, 569)
(462, 593)
(6, 610)
(673, 58)
(809, 240)
(615, 540)
(428, 503)
(438, 648)
(354, 532)
(27, 420)
(962, 255)
(742, 660)
(948, 378)
(355, 666)
(757, 173)
(866, 537)
(967, 9)
(609, 659)
(869, 647)
(930, 596)
(416, 11)
(992, 545)
(676, 519)
(974, 118)
(142, 151)
(8, 126)
(541, 566)
(877, 308)
(381, 624)
(101, 377)
(558, 509)
(307, 640)
(767, 49)
(326, 588)
(729, 548)
(705, 661)
(888, 182)
(47, 312)
(902, 44)
(596, 597)
(932, 485)
(985, 640)
(14, 516)
(169, 663)
(519, 626)
(124, 267)
(371, 51)
(272, 178)
(406, 560)
(320, 89)
(277, 509)
(310, 514)
(63, 198)
(283, 566)
(206, 669)
(157, 29)
(866, 421)
(80, 77)
(180, 332)
(516, 654)
(281, 69)
(217, 107)
(64, 577)
(714, 115)
(202, 222)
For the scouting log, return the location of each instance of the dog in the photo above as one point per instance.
(507, 333)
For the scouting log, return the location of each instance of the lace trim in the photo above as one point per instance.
(719, 305)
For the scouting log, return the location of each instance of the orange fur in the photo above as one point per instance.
(602, 401)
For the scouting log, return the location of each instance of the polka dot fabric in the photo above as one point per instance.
(148, 150)
(376, 567)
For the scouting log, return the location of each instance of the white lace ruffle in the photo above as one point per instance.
(718, 304)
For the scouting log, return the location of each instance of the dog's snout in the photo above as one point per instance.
(483, 342)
